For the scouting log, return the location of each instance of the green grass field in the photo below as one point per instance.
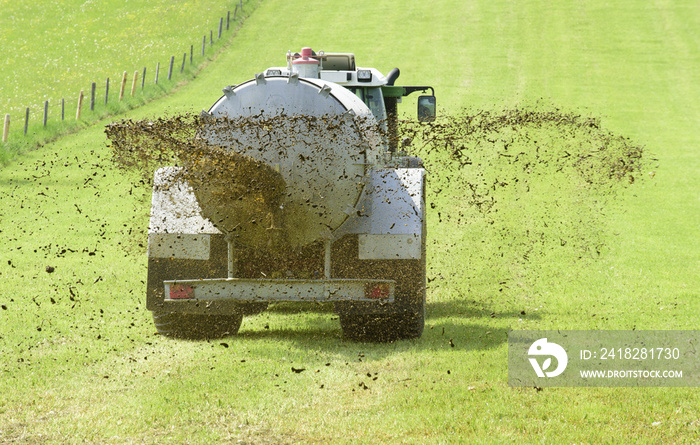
(53, 49)
(93, 42)
(80, 360)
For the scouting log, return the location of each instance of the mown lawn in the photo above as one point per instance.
(80, 358)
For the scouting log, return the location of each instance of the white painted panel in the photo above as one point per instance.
(179, 246)
(392, 204)
(174, 208)
(335, 76)
(389, 247)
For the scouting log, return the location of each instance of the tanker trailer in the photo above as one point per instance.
(304, 197)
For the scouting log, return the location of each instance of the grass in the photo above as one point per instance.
(91, 43)
(96, 372)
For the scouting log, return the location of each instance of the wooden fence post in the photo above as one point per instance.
(170, 71)
(107, 91)
(184, 59)
(80, 105)
(133, 84)
(221, 26)
(92, 96)
(121, 91)
(235, 11)
(211, 38)
(204, 44)
(6, 128)
(228, 19)
(157, 71)
(143, 78)
(46, 111)
(191, 53)
(26, 120)
(63, 109)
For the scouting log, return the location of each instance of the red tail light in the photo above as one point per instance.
(377, 291)
(179, 291)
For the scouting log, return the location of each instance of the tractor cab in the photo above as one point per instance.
(377, 91)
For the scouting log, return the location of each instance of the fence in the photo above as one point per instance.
(134, 83)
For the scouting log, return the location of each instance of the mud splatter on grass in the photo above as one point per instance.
(522, 187)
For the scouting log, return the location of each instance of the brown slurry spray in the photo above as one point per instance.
(531, 179)
(521, 190)
(239, 167)
(240, 195)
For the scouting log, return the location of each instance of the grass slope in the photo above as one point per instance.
(53, 49)
(54, 60)
(81, 362)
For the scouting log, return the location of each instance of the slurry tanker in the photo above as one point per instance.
(310, 199)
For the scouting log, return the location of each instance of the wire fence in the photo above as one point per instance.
(138, 80)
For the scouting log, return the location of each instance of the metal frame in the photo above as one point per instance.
(267, 290)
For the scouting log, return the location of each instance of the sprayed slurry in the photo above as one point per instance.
(282, 181)
(520, 190)
(530, 180)
(250, 203)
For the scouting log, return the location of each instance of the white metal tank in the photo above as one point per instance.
(317, 134)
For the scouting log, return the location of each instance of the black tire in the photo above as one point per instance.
(196, 326)
(402, 320)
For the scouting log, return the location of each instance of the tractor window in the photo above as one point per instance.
(373, 98)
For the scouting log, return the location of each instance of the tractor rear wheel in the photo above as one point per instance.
(196, 326)
(405, 318)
